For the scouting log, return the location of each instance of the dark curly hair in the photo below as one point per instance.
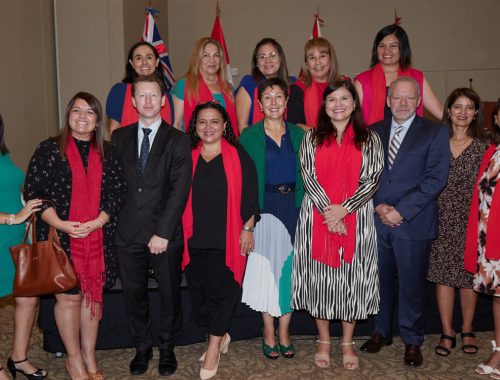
(325, 132)
(495, 124)
(228, 133)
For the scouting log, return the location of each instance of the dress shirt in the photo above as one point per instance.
(140, 134)
(405, 125)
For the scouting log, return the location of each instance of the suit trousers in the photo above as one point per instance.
(134, 263)
(408, 259)
(213, 289)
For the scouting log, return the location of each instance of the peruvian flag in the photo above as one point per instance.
(316, 32)
(218, 35)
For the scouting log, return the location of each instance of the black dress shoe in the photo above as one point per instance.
(139, 363)
(413, 356)
(375, 343)
(168, 363)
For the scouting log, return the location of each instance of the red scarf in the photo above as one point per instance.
(87, 254)
(257, 115)
(493, 237)
(205, 95)
(375, 94)
(232, 167)
(313, 97)
(130, 115)
(345, 162)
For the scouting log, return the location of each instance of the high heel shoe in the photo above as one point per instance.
(206, 374)
(318, 358)
(98, 375)
(224, 347)
(37, 375)
(353, 360)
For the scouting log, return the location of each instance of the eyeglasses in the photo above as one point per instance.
(272, 56)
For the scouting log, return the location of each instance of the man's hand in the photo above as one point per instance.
(389, 215)
(157, 245)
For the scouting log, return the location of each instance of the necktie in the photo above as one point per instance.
(143, 157)
(394, 145)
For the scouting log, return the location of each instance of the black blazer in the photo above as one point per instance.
(418, 174)
(156, 200)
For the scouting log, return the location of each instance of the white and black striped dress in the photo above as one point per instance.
(351, 291)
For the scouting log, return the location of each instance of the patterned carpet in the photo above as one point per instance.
(245, 361)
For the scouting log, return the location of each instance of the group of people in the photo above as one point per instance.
(317, 194)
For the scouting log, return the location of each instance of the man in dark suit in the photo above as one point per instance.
(157, 162)
(417, 159)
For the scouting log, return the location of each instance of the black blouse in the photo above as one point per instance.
(49, 177)
(210, 200)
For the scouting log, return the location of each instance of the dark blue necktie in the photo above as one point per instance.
(143, 157)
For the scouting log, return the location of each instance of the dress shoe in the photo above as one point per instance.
(168, 363)
(413, 356)
(375, 343)
(139, 363)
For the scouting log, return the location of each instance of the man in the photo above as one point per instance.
(416, 169)
(157, 162)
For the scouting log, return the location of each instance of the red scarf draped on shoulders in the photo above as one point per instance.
(232, 167)
(205, 95)
(257, 114)
(375, 91)
(87, 254)
(345, 161)
(492, 237)
(130, 115)
(313, 97)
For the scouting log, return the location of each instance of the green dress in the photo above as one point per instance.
(11, 181)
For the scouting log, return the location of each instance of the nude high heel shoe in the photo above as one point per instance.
(224, 347)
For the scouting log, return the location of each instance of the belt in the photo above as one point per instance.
(283, 189)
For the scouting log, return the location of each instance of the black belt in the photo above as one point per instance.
(283, 189)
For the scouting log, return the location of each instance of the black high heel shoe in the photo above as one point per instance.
(37, 375)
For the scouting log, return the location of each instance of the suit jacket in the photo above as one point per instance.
(156, 200)
(418, 174)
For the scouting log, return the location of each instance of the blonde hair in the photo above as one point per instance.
(193, 73)
(322, 44)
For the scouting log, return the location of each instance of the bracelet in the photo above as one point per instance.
(10, 220)
(99, 220)
(248, 228)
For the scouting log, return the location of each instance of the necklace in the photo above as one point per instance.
(210, 82)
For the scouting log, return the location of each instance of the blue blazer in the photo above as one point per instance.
(418, 174)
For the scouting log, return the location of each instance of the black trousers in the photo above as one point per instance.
(213, 290)
(134, 263)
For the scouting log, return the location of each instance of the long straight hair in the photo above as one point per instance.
(3, 147)
(322, 44)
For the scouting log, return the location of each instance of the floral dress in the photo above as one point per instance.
(486, 279)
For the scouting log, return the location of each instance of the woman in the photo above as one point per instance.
(205, 80)
(218, 224)
(274, 145)
(84, 180)
(335, 274)
(463, 117)
(268, 61)
(143, 59)
(319, 68)
(11, 233)
(391, 58)
(482, 244)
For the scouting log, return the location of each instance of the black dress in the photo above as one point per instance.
(49, 177)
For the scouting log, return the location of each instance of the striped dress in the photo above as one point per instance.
(351, 291)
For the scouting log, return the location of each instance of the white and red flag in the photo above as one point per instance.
(152, 36)
(218, 35)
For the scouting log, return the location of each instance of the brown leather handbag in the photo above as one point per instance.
(42, 267)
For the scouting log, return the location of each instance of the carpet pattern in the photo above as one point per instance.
(245, 360)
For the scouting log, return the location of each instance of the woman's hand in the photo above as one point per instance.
(334, 214)
(338, 228)
(31, 206)
(85, 229)
(71, 228)
(246, 242)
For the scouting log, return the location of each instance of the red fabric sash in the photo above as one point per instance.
(345, 161)
(130, 115)
(375, 94)
(205, 95)
(313, 97)
(87, 254)
(258, 115)
(493, 237)
(232, 167)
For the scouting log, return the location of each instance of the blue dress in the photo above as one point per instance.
(11, 182)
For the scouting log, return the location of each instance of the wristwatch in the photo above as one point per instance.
(248, 228)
